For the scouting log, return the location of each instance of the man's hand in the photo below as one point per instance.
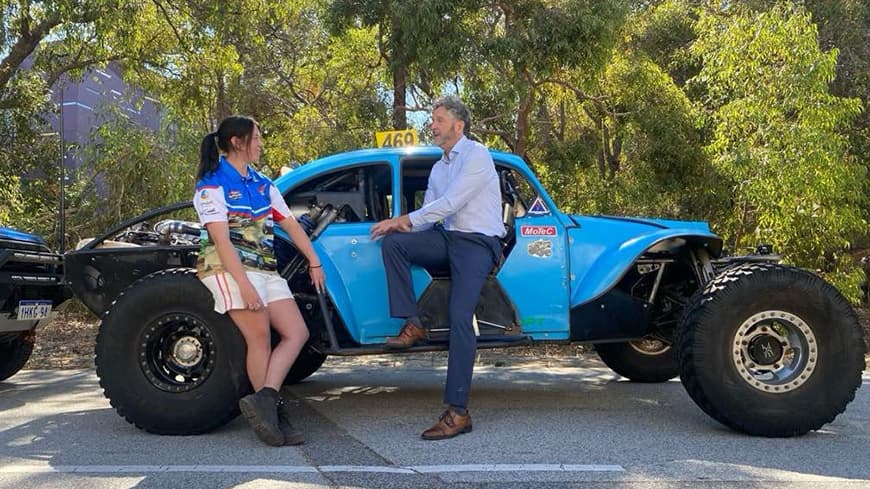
(400, 224)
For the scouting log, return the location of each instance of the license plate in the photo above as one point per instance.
(29, 310)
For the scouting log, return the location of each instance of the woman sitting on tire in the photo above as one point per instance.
(231, 195)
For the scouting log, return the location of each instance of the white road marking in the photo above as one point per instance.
(384, 469)
(381, 469)
(440, 469)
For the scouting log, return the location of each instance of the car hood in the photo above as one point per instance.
(13, 235)
(657, 223)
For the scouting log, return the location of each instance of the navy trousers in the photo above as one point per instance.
(469, 257)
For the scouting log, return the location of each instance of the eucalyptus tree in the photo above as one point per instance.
(780, 137)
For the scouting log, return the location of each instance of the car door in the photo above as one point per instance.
(361, 191)
(535, 270)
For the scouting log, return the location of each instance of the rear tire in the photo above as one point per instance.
(308, 361)
(647, 360)
(167, 362)
(13, 356)
(770, 350)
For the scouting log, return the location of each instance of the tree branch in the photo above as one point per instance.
(57, 73)
(577, 91)
(30, 39)
(24, 47)
(166, 16)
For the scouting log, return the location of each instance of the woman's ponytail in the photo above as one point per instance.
(234, 126)
(208, 155)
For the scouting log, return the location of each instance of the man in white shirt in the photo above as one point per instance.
(459, 226)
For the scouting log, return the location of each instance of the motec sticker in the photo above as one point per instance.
(541, 248)
(527, 230)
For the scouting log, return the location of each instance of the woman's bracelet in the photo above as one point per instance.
(318, 266)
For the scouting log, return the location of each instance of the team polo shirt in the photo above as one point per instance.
(249, 205)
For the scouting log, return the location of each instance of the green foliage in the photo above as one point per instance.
(324, 112)
(740, 113)
(126, 170)
(777, 138)
(521, 48)
(29, 163)
(665, 32)
(633, 143)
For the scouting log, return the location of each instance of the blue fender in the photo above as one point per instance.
(603, 248)
(12, 234)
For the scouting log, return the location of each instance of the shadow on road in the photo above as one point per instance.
(370, 416)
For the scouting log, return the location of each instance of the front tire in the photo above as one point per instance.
(646, 360)
(13, 355)
(770, 350)
(167, 362)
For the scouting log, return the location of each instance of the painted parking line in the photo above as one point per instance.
(295, 469)
(443, 469)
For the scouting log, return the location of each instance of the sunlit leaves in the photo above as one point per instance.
(778, 138)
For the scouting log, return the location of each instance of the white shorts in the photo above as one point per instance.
(269, 286)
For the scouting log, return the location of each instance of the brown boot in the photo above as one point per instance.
(449, 424)
(409, 336)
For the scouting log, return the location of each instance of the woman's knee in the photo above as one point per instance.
(297, 332)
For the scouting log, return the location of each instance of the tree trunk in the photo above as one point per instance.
(614, 155)
(599, 123)
(222, 106)
(523, 124)
(400, 74)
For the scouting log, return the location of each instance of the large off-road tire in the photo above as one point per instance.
(13, 355)
(770, 350)
(167, 362)
(646, 360)
(308, 361)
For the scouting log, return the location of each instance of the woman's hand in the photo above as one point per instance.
(250, 296)
(318, 279)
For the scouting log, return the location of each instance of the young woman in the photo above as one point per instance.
(238, 206)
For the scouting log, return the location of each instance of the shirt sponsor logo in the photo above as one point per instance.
(234, 195)
(209, 209)
(204, 195)
(537, 230)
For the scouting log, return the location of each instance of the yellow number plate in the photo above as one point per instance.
(408, 137)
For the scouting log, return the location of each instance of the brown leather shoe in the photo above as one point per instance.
(409, 336)
(449, 424)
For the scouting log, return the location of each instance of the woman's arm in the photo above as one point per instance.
(303, 244)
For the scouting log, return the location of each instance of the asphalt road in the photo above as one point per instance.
(568, 423)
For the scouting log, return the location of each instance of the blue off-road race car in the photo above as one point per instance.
(763, 348)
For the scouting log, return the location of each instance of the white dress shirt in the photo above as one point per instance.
(463, 191)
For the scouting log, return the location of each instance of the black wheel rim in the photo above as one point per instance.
(176, 352)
